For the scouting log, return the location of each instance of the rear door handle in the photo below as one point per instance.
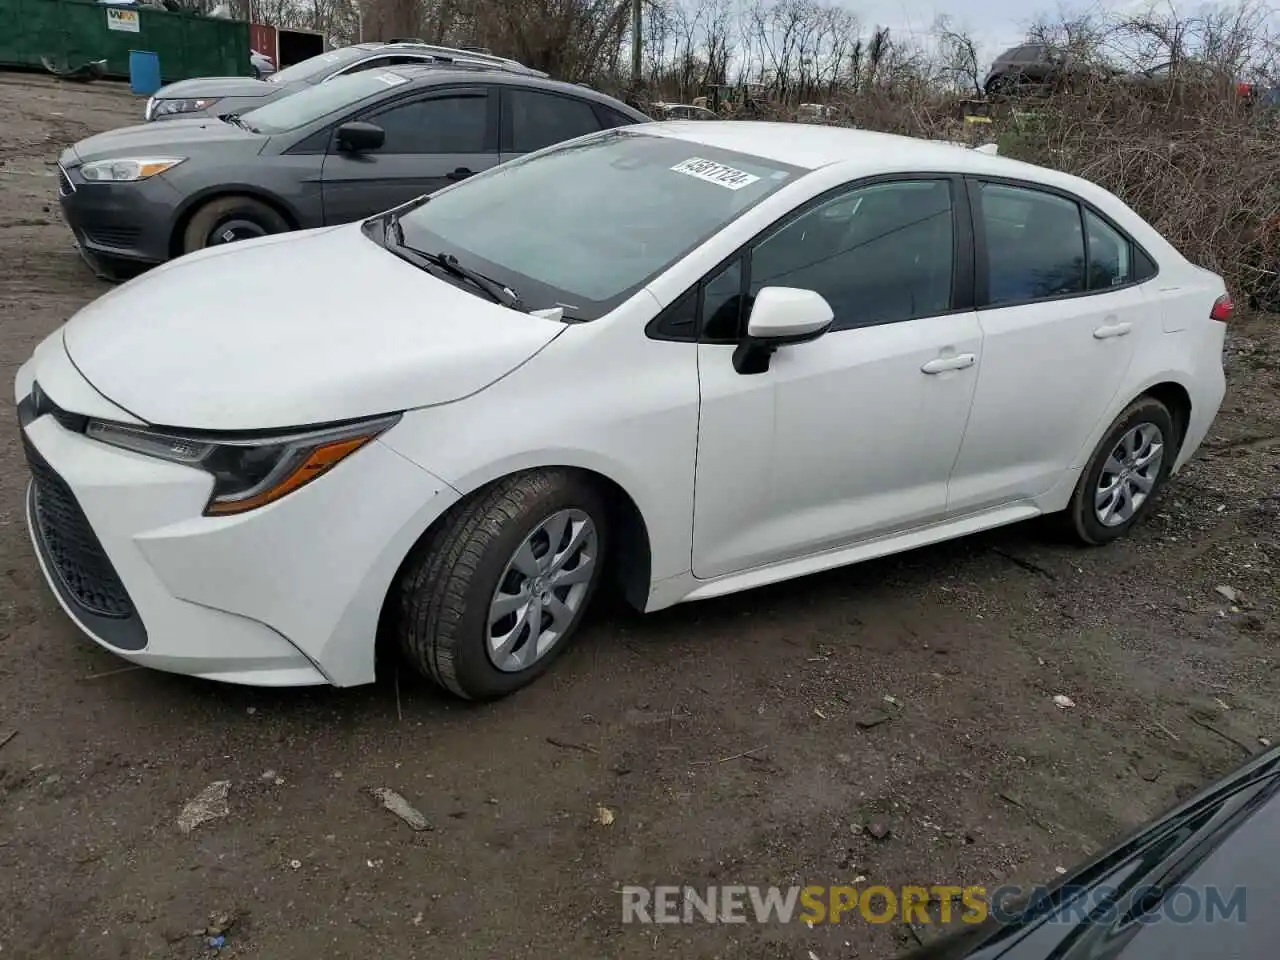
(1109, 330)
(460, 174)
(943, 364)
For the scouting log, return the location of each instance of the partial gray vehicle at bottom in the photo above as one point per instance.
(216, 96)
(335, 152)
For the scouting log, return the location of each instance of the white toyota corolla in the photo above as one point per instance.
(691, 358)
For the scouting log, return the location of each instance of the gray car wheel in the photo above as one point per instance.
(228, 219)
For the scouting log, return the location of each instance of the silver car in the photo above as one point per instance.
(218, 96)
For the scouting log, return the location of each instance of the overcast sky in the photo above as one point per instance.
(995, 24)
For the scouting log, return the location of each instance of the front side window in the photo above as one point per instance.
(586, 224)
(1035, 245)
(447, 124)
(541, 119)
(878, 254)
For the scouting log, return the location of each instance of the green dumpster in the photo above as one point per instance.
(73, 32)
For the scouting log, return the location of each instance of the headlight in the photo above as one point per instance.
(127, 169)
(248, 473)
(168, 108)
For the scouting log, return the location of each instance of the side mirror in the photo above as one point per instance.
(780, 316)
(359, 136)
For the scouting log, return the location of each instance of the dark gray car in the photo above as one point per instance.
(215, 96)
(333, 153)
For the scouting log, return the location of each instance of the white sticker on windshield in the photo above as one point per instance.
(716, 173)
(391, 79)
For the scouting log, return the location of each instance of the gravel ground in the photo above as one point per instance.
(723, 735)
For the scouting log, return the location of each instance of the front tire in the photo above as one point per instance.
(1126, 473)
(496, 592)
(228, 219)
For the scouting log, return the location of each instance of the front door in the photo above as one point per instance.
(432, 140)
(854, 435)
(1057, 340)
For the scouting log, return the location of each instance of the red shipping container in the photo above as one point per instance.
(263, 39)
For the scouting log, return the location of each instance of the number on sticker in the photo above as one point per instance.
(716, 173)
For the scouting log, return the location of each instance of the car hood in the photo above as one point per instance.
(199, 87)
(158, 138)
(294, 330)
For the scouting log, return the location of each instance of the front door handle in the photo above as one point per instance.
(460, 174)
(943, 364)
(1109, 330)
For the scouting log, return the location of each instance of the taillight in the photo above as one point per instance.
(1222, 309)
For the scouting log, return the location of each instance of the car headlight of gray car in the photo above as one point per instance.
(127, 169)
(248, 472)
(168, 108)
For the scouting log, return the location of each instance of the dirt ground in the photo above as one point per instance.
(736, 741)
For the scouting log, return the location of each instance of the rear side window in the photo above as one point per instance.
(538, 120)
(1110, 255)
(1035, 244)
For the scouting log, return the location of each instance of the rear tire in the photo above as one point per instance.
(1125, 474)
(228, 219)
(465, 589)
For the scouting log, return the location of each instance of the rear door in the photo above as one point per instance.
(1057, 339)
(432, 139)
(533, 119)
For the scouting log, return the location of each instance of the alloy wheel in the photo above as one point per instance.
(1129, 475)
(542, 589)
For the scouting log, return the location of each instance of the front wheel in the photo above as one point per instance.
(228, 219)
(496, 592)
(1125, 473)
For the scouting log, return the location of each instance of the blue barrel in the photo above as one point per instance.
(144, 72)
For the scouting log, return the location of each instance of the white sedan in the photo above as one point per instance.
(687, 359)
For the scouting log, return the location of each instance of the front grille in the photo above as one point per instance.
(65, 186)
(70, 544)
(112, 236)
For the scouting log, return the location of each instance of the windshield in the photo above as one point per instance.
(314, 69)
(584, 225)
(290, 113)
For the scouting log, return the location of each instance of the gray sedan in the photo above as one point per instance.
(332, 153)
(215, 96)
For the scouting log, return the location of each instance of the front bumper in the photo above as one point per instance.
(119, 222)
(289, 594)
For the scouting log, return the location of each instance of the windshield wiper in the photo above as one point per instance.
(497, 292)
(235, 118)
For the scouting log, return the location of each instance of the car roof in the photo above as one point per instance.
(811, 146)
(442, 53)
(433, 73)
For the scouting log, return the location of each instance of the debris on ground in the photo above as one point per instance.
(1063, 702)
(209, 804)
(872, 719)
(604, 816)
(878, 830)
(401, 808)
(1230, 594)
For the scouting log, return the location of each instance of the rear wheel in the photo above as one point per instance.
(494, 594)
(1126, 472)
(228, 219)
